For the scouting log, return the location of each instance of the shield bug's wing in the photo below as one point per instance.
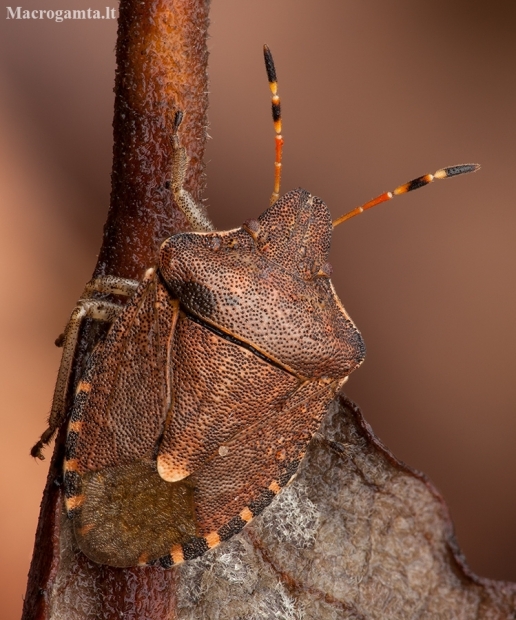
(131, 516)
(252, 467)
(244, 475)
(115, 425)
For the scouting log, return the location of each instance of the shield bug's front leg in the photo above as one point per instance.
(184, 200)
(87, 307)
(110, 285)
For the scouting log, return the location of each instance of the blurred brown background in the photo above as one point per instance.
(374, 93)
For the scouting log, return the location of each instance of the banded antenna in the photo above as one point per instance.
(276, 117)
(443, 173)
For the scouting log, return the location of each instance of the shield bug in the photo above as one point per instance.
(198, 406)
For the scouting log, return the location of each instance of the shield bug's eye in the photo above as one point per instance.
(252, 227)
(216, 243)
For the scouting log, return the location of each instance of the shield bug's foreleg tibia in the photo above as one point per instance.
(184, 200)
(98, 310)
(276, 117)
(443, 173)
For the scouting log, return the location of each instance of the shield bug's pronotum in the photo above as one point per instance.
(198, 406)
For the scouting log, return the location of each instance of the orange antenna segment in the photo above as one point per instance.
(443, 173)
(276, 117)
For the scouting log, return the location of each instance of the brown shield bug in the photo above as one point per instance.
(198, 406)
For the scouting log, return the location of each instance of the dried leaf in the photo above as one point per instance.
(358, 534)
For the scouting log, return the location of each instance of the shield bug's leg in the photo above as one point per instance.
(276, 117)
(443, 173)
(86, 308)
(110, 285)
(184, 200)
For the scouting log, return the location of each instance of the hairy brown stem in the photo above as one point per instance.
(161, 68)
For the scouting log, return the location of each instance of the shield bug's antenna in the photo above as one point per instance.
(443, 173)
(276, 117)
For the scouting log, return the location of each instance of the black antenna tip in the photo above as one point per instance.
(453, 171)
(269, 64)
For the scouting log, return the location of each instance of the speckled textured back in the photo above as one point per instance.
(268, 285)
